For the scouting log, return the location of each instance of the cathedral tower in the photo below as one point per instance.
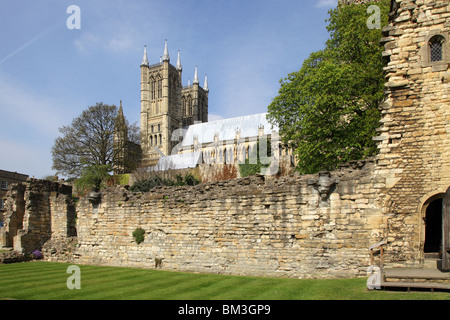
(167, 106)
(120, 142)
(194, 100)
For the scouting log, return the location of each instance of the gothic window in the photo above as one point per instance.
(153, 89)
(152, 129)
(436, 48)
(170, 90)
(160, 139)
(159, 88)
(151, 140)
(159, 128)
(204, 111)
(183, 107)
(190, 106)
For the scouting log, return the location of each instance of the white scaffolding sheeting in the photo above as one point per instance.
(226, 129)
(179, 161)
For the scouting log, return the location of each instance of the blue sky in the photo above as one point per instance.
(49, 73)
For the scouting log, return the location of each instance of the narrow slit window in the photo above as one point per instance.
(153, 89)
(160, 89)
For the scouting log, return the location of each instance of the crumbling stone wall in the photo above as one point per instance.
(306, 226)
(14, 213)
(36, 211)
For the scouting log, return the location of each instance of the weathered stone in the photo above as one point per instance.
(302, 226)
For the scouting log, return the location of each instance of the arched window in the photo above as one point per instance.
(436, 48)
(160, 88)
(151, 140)
(200, 110)
(153, 89)
(184, 107)
(190, 106)
(170, 91)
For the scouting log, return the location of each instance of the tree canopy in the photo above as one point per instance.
(89, 141)
(328, 110)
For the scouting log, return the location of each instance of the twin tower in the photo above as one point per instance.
(167, 105)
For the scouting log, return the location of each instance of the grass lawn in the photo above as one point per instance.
(46, 281)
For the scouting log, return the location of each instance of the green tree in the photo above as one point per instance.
(88, 141)
(92, 177)
(253, 166)
(328, 110)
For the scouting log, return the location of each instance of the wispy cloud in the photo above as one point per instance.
(118, 43)
(121, 42)
(86, 42)
(29, 43)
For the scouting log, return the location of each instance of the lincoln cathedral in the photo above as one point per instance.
(174, 127)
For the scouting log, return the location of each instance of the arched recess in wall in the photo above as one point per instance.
(431, 224)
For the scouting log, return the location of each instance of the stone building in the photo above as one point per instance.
(127, 154)
(414, 136)
(167, 105)
(174, 122)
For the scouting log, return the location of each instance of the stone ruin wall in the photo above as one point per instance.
(37, 211)
(307, 226)
(414, 136)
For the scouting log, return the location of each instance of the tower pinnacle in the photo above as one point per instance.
(145, 59)
(166, 56)
(195, 76)
(179, 68)
(205, 86)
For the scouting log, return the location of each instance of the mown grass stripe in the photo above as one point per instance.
(185, 289)
(45, 281)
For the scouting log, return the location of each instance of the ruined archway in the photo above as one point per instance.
(435, 234)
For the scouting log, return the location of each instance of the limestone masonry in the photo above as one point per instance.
(318, 225)
(310, 226)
